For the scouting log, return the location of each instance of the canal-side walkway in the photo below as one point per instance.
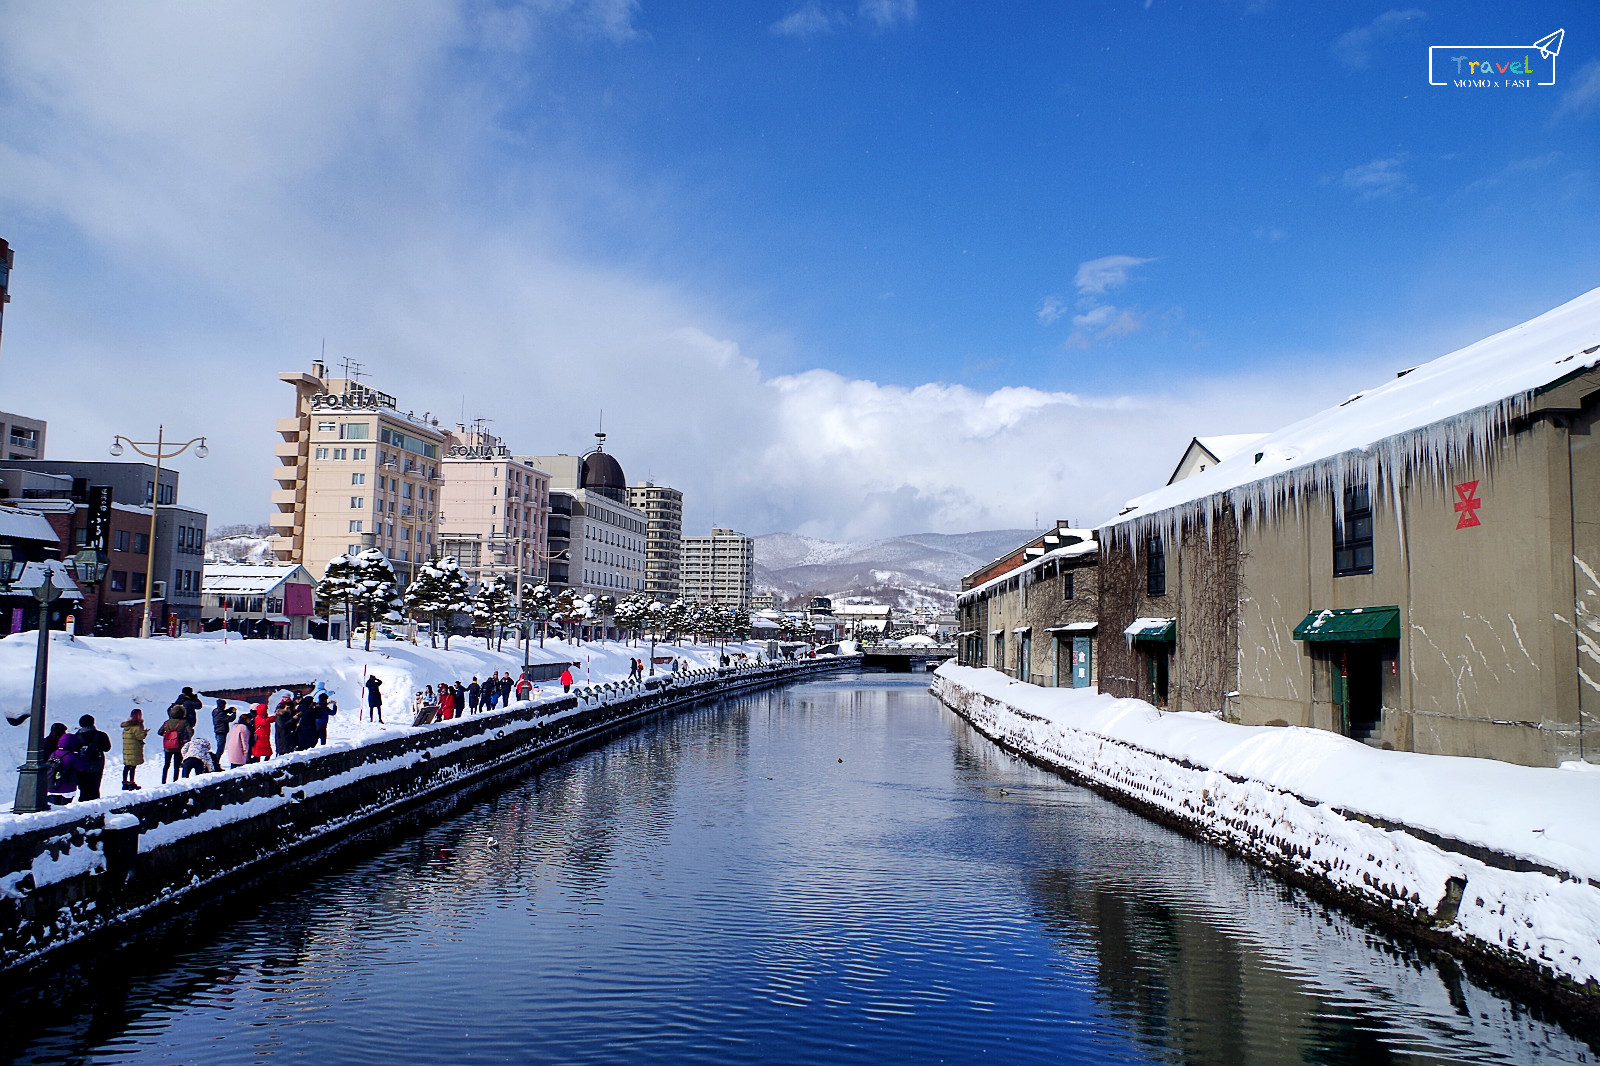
(1498, 862)
(69, 873)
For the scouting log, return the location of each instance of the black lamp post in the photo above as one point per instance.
(88, 568)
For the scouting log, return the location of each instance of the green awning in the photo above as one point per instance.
(1153, 630)
(1350, 624)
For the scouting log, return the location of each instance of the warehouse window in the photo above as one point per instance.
(1156, 569)
(1352, 538)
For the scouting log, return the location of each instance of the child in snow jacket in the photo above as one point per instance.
(262, 748)
(133, 736)
(175, 733)
(566, 680)
(197, 757)
(61, 781)
(237, 749)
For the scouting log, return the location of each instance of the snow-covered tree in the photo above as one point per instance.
(633, 613)
(572, 609)
(440, 590)
(376, 591)
(492, 607)
(336, 593)
(541, 598)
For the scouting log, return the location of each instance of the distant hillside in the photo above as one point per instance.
(921, 569)
(240, 544)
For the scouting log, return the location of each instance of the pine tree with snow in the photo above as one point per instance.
(336, 593)
(633, 613)
(440, 590)
(376, 591)
(492, 608)
(541, 599)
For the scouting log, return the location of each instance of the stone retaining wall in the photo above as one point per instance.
(67, 874)
(1530, 926)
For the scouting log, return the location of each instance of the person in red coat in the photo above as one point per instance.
(262, 748)
(566, 680)
(447, 703)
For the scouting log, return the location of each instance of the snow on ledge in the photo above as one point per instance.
(1443, 841)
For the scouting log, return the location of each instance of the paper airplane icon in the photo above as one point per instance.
(1551, 45)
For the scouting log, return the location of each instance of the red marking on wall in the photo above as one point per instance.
(1467, 504)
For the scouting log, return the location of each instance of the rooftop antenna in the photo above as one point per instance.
(600, 437)
(353, 371)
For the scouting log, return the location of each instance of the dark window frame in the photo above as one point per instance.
(1352, 535)
(1067, 589)
(1155, 574)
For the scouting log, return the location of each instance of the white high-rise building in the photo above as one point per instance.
(719, 568)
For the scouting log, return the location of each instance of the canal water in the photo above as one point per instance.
(840, 872)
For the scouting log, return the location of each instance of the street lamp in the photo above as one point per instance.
(162, 451)
(89, 568)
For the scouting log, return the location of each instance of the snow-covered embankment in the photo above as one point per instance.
(70, 872)
(1499, 861)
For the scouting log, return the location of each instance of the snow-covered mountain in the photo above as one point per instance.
(921, 569)
(240, 544)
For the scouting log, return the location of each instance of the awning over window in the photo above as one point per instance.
(1023, 629)
(1075, 627)
(1350, 624)
(1153, 630)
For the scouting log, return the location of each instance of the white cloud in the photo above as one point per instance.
(1378, 179)
(213, 190)
(887, 14)
(808, 20)
(1583, 93)
(1355, 48)
(1051, 309)
(1108, 272)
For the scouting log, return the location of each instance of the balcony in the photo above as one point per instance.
(287, 449)
(30, 443)
(285, 499)
(289, 427)
(284, 521)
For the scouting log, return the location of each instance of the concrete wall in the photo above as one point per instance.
(1037, 600)
(69, 873)
(1488, 659)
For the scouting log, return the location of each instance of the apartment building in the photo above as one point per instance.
(663, 565)
(719, 568)
(605, 533)
(353, 464)
(21, 437)
(494, 509)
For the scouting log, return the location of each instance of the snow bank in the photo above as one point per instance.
(1501, 857)
(109, 676)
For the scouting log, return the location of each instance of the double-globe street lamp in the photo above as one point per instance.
(163, 450)
(88, 568)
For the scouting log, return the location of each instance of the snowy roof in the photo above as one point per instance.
(33, 576)
(1066, 551)
(1442, 411)
(1227, 445)
(19, 524)
(248, 580)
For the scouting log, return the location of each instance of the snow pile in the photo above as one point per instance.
(109, 676)
(1435, 415)
(1503, 857)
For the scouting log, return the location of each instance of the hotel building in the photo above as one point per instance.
(353, 465)
(606, 535)
(494, 509)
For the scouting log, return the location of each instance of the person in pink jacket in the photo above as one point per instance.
(237, 748)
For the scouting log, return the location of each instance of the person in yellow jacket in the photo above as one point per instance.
(133, 734)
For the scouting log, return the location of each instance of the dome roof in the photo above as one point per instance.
(602, 473)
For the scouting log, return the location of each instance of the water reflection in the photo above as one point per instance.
(841, 871)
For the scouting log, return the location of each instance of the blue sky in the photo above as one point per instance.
(829, 267)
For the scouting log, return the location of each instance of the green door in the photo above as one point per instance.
(1082, 662)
